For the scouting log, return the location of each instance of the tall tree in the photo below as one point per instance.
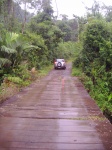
(27, 5)
(43, 25)
(108, 13)
(6, 12)
(47, 10)
(66, 29)
(95, 10)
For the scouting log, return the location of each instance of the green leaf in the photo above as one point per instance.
(7, 50)
(110, 97)
(4, 61)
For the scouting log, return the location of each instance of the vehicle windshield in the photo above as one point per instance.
(60, 60)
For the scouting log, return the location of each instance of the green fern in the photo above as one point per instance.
(8, 50)
(15, 80)
(4, 61)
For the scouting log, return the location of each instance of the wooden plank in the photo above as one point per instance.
(52, 146)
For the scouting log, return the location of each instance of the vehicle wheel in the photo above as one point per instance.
(59, 64)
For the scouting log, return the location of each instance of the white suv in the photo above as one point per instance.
(59, 64)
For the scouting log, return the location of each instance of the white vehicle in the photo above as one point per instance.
(59, 64)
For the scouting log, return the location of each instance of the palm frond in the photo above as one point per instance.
(4, 61)
(8, 50)
(10, 36)
(28, 47)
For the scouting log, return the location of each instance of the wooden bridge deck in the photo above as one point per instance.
(55, 113)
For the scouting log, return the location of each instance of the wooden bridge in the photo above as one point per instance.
(55, 113)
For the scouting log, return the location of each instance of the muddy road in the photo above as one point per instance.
(55, 113)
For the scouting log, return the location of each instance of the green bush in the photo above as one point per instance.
(95, 59)
(76, 71)
(22, 71)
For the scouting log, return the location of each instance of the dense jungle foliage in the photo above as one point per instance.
(31, 41)
(95, 58)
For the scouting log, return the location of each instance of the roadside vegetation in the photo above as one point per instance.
(94, 61)
(29, 43)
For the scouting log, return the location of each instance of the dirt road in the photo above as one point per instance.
(55, 113)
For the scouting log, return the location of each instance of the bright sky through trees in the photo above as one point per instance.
(77, 7)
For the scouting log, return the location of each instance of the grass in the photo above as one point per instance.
(6, 91)
(76, 72)
(44, 71)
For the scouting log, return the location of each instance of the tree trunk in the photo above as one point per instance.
(9, 7)
(24, 22)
